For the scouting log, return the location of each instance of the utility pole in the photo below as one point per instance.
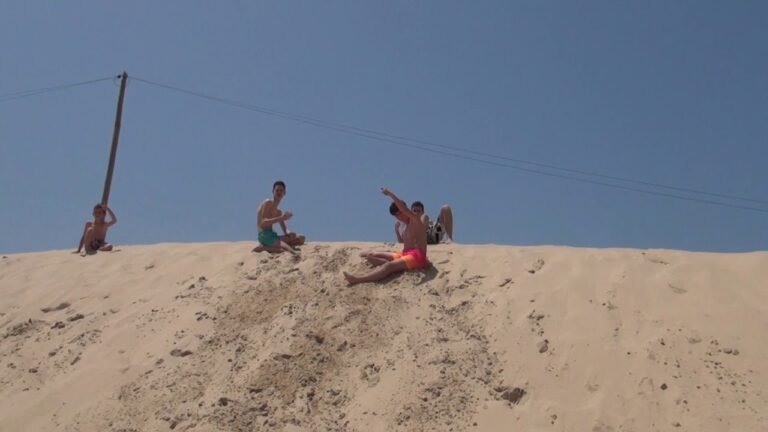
(115, 138)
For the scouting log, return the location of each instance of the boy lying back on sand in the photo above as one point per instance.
(414, 255)
(94, 236)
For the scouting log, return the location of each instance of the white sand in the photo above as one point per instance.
(211, 337)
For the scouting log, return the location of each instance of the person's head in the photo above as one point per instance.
(99, 213)
(394, 211)
(417, 207)
(278, 189)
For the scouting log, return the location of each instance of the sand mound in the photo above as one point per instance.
(211, 337)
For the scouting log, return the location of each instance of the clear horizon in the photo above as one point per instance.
(664, 93)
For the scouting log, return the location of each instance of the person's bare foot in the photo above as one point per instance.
(351, 280)
(446, 240)
(107, 248)
(258, 248)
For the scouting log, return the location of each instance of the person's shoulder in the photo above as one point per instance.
(266, 202)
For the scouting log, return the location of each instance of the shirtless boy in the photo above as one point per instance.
(270, 214)
(414, 254)
(440, 231)
(94, 236)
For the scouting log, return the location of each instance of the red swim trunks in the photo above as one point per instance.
(414, 258)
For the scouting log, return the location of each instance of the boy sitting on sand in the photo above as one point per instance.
(94, 236)
(268, 215)
(414, 255)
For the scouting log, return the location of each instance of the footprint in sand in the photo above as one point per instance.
(61, 306)
(536, 266)
(180, 353)
(510, 394)
(677, 290)
(655, 260)
(370, 373)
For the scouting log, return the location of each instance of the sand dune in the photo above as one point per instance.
(211, 337)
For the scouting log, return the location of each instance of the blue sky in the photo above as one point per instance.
(664, 92)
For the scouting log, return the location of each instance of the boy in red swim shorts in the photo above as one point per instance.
(414, 254)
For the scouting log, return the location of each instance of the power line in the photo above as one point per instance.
(35, 92)
(419, 144)
(323, 123)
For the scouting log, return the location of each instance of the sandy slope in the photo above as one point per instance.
(210, 337)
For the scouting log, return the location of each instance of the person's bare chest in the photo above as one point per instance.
(271, 211)
(100, 229)
(412, 233)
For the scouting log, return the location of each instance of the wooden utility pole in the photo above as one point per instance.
(115, 138)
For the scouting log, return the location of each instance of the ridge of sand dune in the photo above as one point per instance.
(211, 337)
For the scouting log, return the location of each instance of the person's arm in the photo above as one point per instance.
(82, 237)
(397, 232)
(400, 204)
(111, 216)
(425, 220)
(267, 223)
(282, 225)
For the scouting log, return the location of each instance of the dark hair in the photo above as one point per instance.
(98, 207)
(278, 183)
(393, 210)
(418, 204)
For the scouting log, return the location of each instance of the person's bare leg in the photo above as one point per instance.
(378, 273)
(378, 258)
(293, 239)
(375, 261)
(87, 241)
(446, 220)
(88, 224)
(286, 247)
(270, 249)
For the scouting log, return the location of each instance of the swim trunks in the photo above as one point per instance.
(414, 258)
(97, 244)
(268, 237)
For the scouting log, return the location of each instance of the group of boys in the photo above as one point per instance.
(413, 229)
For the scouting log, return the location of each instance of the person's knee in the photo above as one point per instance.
(396, 265)
(391, 266)
(445, 209)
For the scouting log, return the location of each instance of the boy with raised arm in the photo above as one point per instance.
(94, 236)
(414, 254)
(440, 231)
